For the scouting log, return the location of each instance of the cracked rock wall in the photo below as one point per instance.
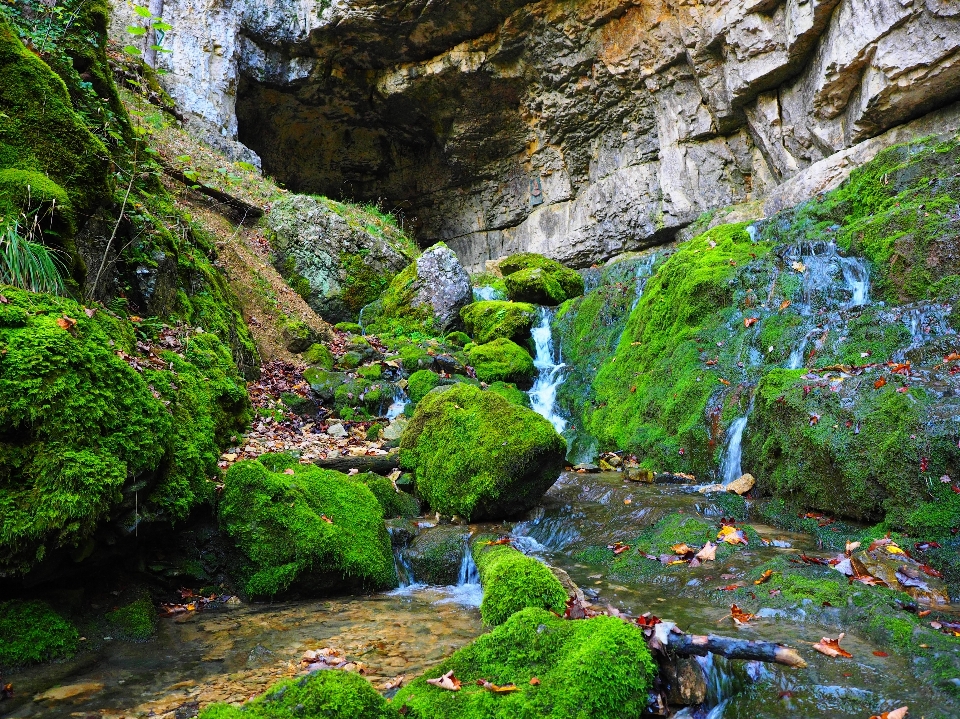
(577, 128)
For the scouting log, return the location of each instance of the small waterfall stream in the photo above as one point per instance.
(730, 468)
(543, 394)
(399, 403)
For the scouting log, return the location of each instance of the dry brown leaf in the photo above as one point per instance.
(682, 549)
(750, 321)
(850, 547)
(765, 577)
(447, 681)
(739, 616)
(392, 684)
(831, 647)
(895, 714)
(784, 305)
(709, 552)
(534, 681)
(505, 689)
(66, 323)
(731, 535)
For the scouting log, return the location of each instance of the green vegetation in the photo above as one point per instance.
(487, 321)
(421, 383)
(477, 455)
(501, 361)
(513, 581)
(31, 632)
(551, 273)
(79, 424)
(435, 554)
(351, 327)
(136, 620)
(28, 265)
(394, 503)
(511, 393)
(534, 285)
(280, 522)
(317, 355)
(596, 668)
(329, 694)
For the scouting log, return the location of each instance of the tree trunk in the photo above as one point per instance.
(156, 12)
(732, 648)
(379, 464)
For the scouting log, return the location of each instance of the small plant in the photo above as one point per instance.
(27, 264)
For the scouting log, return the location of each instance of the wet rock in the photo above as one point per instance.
(324, 383)
(449, 364)
(638, 474)
(586, 467)
(742, 485)
(444, 285)
(337, 431)
(298, 336)
(900, 572)
(394, 430)
(612, 459)
(71, 692)
(435, 554)
(685, 680)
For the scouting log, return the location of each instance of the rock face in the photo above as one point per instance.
(443, 284)
(577, 130)
(335, 261)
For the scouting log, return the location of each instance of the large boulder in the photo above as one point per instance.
(305, 529)
(435, 554)
(331, 255)
(534, 278)
(478, 456)
(489, 320)
(428, 295)
(502, 361)
(513, 581)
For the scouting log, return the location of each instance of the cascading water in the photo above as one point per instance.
(543, 394)
(730, 468)
(485, 293)
(399, 403)
(644, 271)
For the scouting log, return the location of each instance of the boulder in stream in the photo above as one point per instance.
(478, 456)
(435, 554)
(513, 581)
(490, 320)
(502, 361)
(304, 529)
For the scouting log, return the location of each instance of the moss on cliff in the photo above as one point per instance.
(477, 455)
(313, 530)
(31, 632)
(596, 668)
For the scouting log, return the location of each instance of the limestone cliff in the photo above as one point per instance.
(576, 128)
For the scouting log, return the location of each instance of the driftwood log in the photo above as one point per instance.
(233, 208)
(378, 464)
(733, 648)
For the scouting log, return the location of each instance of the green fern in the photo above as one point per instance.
(28, 265)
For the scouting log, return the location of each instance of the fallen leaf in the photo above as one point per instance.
(850, 547)
(739, 616)
(505, 689)
(880, 383)
(880, 654)
(750, 321)
(447, 681)
(66, 323)
(682, 549)
(618, 548)
(765, 577)
(534, 682)
(725, 381)
(784, 305)
(831, 647)
(895, 714)
(502, 540)
(732, 535)
(708, 553)
(799, 266)
(392, 684)
(326, 519)
(89, 312)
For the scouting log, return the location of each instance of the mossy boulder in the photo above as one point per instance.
(511, 393)
(435, 554)
(421, 383)
(323, 382)
(487, 321)
(457, 339)
(539, 278)
(327, 694)
(317, 355)
(513, 581)
(313, 531)
(596, 668)
(395, 503)
(31, 632)
(86, 438)
(478, 456)
(137, 620)
(502, 360)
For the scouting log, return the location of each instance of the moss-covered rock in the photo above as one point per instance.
(457, 339)
(502, 360)
(570, 281)
(420, 383)
(351, 327)
(534, 285)
(511, 393)
(596, 668)
(435, 554)
(324, 383)
(478, 456)
(85, 437)
(327, 694)
(487, 321)
(31, 632)
(137, 620)
(394, 502)
(317, 355)
(513, 581)
(313, 531)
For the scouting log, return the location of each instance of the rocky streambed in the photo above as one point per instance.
(229, 652)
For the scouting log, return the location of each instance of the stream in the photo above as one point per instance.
(235, 652)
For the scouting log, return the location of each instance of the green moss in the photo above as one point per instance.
(570, 281)
(351, 327)
(32, 632)
(652, 395)
(590, 669)
(456, 339)
(534, 285)
(277, 521)
(477, 455)
(435, 554)
(513, 581)
(487, 321)
(362, 284)
(397, 313)
(323, 382)
(85, 436)
(420, 384)
(372, 371)
(136, 620)
(327, 694)
(394, 503)
(511, 393)
(501, 361)
(317, 355)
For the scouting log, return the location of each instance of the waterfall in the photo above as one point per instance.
(486, 293)
(856, 277)
(469, 574)
(404, 570)
(730, 468)
(543, 394)
(400, 401)
(467, 591)
(644, 271)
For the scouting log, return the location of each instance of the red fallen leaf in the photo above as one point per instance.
(534, 682)
(66, 323)
(647, 621)
(880, 383)
(784, 305)
(924, 463)
(955, 488)
(739, 616)
(895, 714)
(903, 368)
(880, 654)
(814, 560)
(729, 588)
(952, 357)
(924, 546)
(831, 647)
(447, 681)
(927, 569)
(903, 390)
(774, 592)
(814, 418)
(711, 363)
(502, 540)
(924, 613)
(765, 577)
(574, 609)
(882, 542)
(618, 548)
(725, 381)
(750, 321)
(326, 519)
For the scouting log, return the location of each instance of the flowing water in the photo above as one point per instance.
(543, 394)
(398, 403)
(731, 468)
